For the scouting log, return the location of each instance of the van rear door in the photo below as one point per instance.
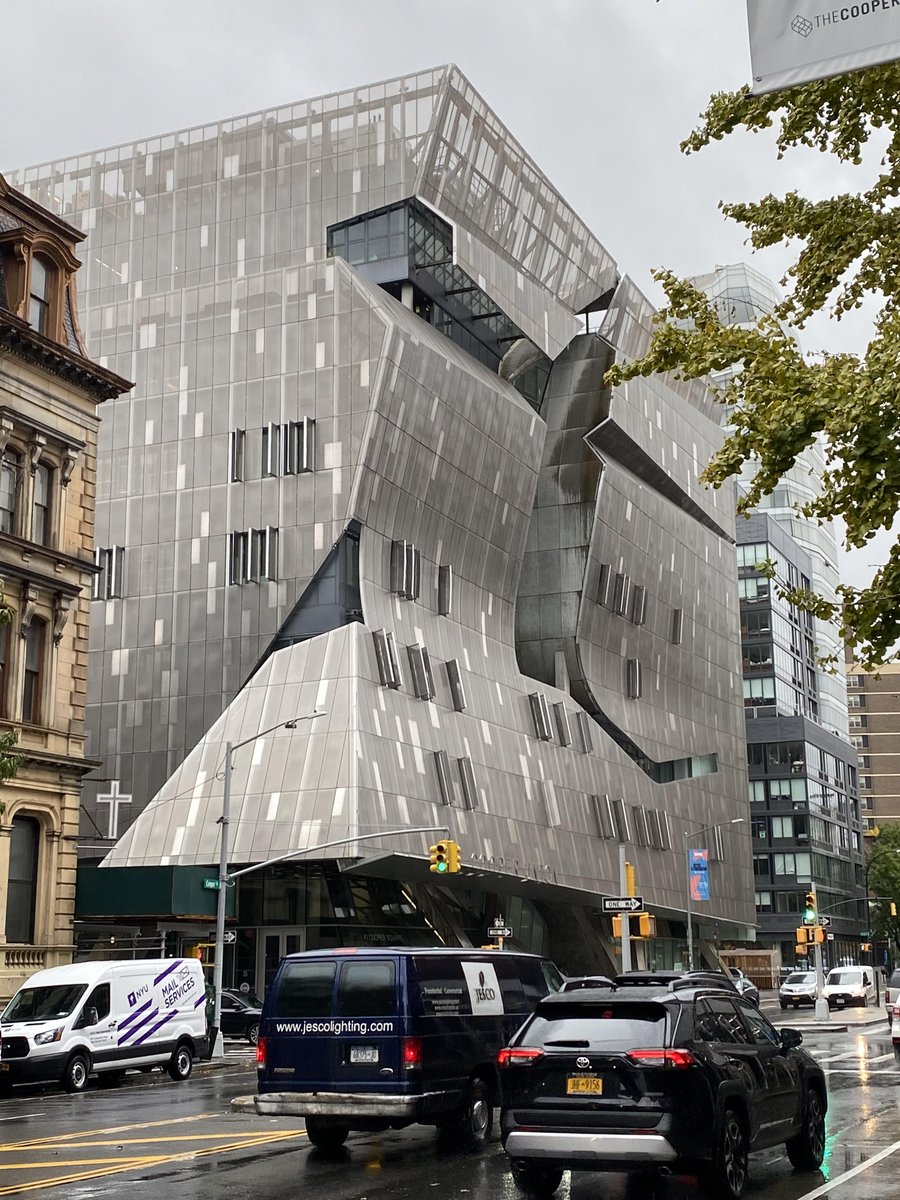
(297, 1027)
(368, 1027)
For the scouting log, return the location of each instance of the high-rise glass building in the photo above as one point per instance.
(806, 821)
(371, 468)
(742, 295)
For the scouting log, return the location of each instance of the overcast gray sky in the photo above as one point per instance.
(600, 92)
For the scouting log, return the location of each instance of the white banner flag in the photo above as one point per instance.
(796, 41)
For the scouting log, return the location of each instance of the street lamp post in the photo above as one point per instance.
(693, 833)
(223, 821)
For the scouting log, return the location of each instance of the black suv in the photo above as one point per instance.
(240, 1015)
(677, 1079)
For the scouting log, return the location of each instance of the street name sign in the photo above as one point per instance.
(211, 885)
(620, 904)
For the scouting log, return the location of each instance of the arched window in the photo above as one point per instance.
(10, 471)
(39, 295)
(40, 508)
(35, 640)
(21, 895)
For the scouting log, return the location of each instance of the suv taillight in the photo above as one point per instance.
(519, 1056)
(411, 1053)
(661, 1058)
(261, 1052)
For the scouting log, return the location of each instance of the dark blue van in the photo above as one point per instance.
(380, 1039)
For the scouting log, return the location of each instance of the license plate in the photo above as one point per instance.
(364, 1054)
(584, 1085)
(839, 999)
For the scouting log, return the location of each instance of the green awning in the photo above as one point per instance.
(157, 893)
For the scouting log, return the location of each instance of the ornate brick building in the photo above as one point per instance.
(49, 396)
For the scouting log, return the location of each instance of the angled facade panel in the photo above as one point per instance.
(408, 329)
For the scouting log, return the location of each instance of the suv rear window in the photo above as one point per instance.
(895, 980)
(601, 1027)
(304, 989)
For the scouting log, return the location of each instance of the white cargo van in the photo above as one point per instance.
(850, 985)
(68, 1023)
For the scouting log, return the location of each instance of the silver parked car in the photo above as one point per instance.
(799, 988)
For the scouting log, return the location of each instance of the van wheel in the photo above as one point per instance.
(325, 1133)
(477, 1117)
(535, 1180)
(111, 1079)
(253, 1033)
(76, 1074)
(181, 1063)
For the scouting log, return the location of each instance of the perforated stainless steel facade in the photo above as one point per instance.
(208, 284)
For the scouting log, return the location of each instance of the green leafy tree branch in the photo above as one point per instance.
(884, 881)
(780, 400)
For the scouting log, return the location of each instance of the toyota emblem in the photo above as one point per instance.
(582, 1062)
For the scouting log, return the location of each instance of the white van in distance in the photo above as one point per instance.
(849, 985)
(71, 1022)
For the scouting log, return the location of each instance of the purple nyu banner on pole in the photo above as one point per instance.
(699, 874)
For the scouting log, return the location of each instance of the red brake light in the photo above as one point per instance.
(411, 1052)
(518, 1056)
(261, 1052)
(661, 1058)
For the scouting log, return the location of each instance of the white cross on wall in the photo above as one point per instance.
(113, 799)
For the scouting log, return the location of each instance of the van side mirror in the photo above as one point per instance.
(91, 1017)
(790, 1039)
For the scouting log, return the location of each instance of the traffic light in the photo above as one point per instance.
(444, 857)
(630, 889)
(440, 864)
(801, 951)
(810, 911)
(646, 925)
(804, 935)
(617, 927)
(819, 935)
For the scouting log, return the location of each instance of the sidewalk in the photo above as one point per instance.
(841, 1019)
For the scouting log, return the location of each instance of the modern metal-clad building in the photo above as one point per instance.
(371, 468)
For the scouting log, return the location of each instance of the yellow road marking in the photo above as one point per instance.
(78, 1177)
(53, 1139)
(131, 1164)
(174, 1137)
(75, 1162)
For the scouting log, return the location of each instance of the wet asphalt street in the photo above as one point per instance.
(161, 1140)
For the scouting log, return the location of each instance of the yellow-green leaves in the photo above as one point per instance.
(780, 400)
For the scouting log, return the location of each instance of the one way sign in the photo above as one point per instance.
(620, 904)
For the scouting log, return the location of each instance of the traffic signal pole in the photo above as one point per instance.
(823, 1013)
(811, 917)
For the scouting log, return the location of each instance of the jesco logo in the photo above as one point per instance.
(483, 993)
